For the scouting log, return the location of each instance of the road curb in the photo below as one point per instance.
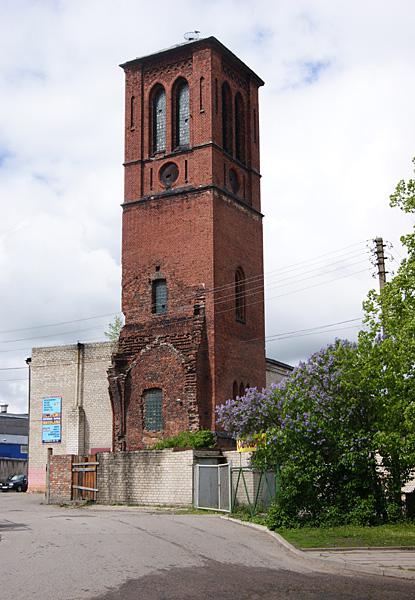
(338, 563)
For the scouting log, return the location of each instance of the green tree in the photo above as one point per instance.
(114, 329)
(318, 426)
(387, 352)
(342, 426)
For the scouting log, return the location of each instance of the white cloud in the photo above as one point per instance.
(337, 133)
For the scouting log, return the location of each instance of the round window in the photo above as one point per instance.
(168, 174)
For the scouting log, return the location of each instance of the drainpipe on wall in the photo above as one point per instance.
(29, 379)
(75, 436)
(78, 394)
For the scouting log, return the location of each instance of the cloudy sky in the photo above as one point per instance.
(337, 133)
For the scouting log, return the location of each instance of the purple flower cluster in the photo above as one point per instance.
(252, 413)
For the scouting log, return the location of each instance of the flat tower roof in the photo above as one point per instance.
(208, 41)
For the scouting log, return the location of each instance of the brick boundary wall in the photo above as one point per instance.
(158, 477)
(146, 477)
(60, 478)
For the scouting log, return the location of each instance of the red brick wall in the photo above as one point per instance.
(195, 235)
(160, 366)
(239, 347)
(60, 478)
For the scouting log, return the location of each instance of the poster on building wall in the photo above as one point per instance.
(51, 420)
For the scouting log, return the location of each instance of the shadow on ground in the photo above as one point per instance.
(226, 581)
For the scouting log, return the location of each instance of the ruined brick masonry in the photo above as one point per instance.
(191, 221)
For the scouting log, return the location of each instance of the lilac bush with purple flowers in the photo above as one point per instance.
(348, 407)
(318, 430)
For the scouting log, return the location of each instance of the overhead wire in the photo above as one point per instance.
(282, 270)
(268, 339)
(312, 333)
(60, 323)
(221, 300)
(299, 289)
(250, 292)
(258, 289)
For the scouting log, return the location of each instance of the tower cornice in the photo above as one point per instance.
(209, 42)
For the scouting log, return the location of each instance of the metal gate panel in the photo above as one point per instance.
(212, 487)
(224, 487)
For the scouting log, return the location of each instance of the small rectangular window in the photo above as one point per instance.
(159, 297)
(23, 449)
(132, 113)
(153, 409)
(202, 94)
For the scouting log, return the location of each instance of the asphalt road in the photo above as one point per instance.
(52, 553)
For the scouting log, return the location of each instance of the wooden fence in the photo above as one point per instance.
(84, 477)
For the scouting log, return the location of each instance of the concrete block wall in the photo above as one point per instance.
(162, 477)
(53, 373)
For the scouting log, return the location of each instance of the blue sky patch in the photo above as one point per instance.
(4, 155)
(313, 69)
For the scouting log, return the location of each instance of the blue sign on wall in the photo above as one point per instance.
(51, 420)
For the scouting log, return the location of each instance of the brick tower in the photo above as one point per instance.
(192, 269)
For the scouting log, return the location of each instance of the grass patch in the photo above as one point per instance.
(401, 534)
(243, 514)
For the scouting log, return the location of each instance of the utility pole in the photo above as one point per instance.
(380, 261)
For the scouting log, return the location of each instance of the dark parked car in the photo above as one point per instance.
(14, 482)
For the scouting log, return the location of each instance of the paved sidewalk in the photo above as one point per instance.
(387, 563)
(393, 562)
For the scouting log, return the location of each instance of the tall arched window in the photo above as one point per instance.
(181, 112)
(239, 128)
(227, 119)
(158, 119)
(240, 295)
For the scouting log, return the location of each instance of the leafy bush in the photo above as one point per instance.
(394, 512)
(364, 512)
(188, 439)
(319, 431)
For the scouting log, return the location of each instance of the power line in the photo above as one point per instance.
(56, 334)
(312, 333)
(325, 325)
(222, 300)
(267, 338)
(299, 290)
(258, 289)
(60, 323)
(294, 266)
(50, 335)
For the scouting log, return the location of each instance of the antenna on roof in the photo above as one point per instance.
(192, 36)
